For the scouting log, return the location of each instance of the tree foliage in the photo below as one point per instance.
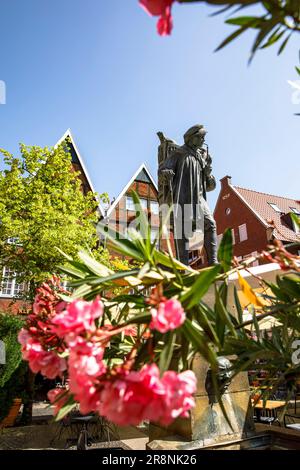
(42, 207)
(12, 374)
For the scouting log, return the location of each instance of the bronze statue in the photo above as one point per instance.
(184, 177)
(223, 377)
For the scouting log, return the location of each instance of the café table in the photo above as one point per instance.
(271, 408)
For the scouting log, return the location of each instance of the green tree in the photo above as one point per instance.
(42, 207)
(12, 374)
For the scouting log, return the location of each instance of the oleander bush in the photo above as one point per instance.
(119, 351)
(12, 374)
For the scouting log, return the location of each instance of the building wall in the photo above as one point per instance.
(239, 214)
(121, 217)
(10, 305)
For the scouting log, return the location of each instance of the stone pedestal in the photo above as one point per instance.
(207, 425)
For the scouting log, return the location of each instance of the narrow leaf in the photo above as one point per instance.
(200, 286)
(167, 352)
(225, 251)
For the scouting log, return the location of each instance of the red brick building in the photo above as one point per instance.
(255, 218)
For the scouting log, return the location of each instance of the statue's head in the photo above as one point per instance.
(225, 372)
(195, 136)
(224, 377)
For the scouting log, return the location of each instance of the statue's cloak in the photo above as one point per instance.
(192, 179)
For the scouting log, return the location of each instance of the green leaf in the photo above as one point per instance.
(284, 44)
(165, 260)
(273, 38)
(144, 227)
(203, 315)
(66, 409)
(238, 305)
(167, 352)
(279, 294)
(265, 29)
(255, 322)
(93, 265)
(230, 38)
(225, 251)
(71, 271)
(106, 280)
(291, 285)
(196, 338)
(295, 218)
(141, 318)
(249, 21)
(201, 285)
(123, 246)
(223, 313)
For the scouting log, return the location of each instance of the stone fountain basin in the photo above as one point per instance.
(265, 438)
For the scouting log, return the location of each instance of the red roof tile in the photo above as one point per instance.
(260, 204)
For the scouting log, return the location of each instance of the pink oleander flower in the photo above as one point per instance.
(47, 362)
(168, 316)
(78, 316)
(86, 366)
(143, 395)
(179, 395)
(161, 8)
(54, 395)
(47, 299)
(165, 23)
(132, 397)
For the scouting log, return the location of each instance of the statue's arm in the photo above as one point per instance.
(168, 168)
(209, 178)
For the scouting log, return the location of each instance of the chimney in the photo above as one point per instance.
(225, 181)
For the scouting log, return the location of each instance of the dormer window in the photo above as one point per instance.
(295, 210)
(275, 207)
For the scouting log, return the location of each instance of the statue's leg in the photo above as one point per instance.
(181, 232)
(210, 235)
(182, 250)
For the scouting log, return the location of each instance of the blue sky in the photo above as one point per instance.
(98, 67)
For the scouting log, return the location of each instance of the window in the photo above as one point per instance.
(154, 235)
(144, 203)
(275, 207)
(13, 241)
(233, 236)
(9, 286)
(243, 232)
(130, 204)
(154, 207)
(295, 210)
(227, 211)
